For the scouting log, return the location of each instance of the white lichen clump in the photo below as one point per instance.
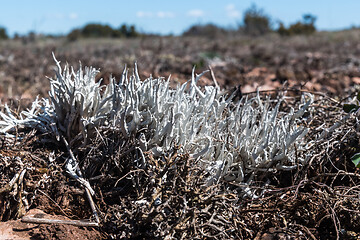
(231, 140)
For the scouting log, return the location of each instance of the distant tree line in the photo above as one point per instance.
(91, 30)
(94, 30)
(256, 23)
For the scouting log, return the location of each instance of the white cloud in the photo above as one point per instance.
(160, 14)
(165, 14)
(231, 11)
(142, 14)
(230, 7)
(61, 16)
(195, 13)
(73, 16)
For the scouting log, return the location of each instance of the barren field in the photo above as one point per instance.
(318, 200)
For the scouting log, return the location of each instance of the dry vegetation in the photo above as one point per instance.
(320, 200)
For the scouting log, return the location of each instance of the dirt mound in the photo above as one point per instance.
(19, 230)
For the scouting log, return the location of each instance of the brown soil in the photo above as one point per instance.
(18, 230)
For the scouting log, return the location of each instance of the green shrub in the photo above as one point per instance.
(97, 30)
(3, 34)
(304, 27)
(128, 31)
(256, 22)
(74, 35)
(208, 30)
(282, 30)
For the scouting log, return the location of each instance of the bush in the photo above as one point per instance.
(128, 31)
(256, 22)
(97, 30)
(74, 35)
(3, 34)
(304, 27)
(282, 30)
(209, 30)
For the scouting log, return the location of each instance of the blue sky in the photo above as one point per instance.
(159, 16)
